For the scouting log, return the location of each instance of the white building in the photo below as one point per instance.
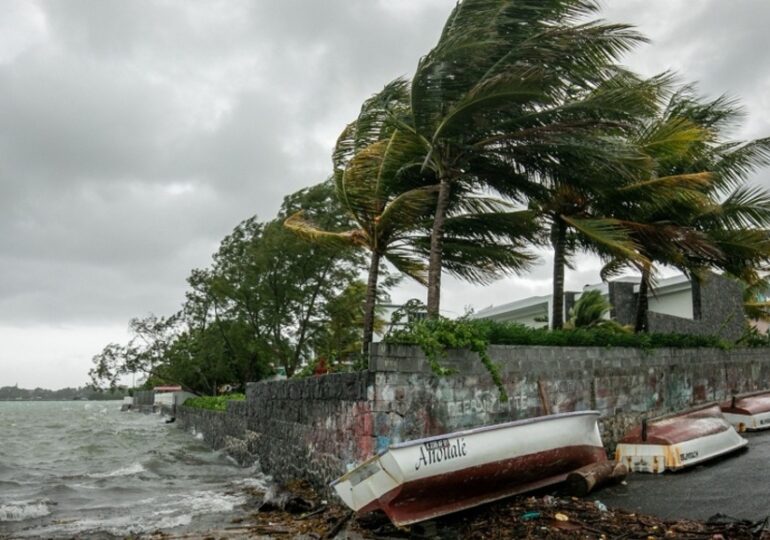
(672, 296)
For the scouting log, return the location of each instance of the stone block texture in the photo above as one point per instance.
(717, 307)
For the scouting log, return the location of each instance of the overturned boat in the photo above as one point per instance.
(678, 440)
(425, 478)
(748, 412)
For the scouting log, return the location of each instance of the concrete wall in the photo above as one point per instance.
(316, 428)
(677, 304)
(622, 384)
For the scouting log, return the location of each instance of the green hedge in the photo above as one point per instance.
(502, 333)
(213, 403)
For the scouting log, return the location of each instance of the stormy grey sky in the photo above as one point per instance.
(135, 135)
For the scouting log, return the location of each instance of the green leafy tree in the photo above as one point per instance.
(338, 338)
(277, 283)
(144, 354)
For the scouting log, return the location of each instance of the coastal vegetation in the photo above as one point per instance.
(519, 130)
(435, 336)
(213, 403)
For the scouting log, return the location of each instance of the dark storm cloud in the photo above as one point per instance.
(134, 135)
(721, 46)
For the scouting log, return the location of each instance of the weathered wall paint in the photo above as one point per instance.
(316, 428)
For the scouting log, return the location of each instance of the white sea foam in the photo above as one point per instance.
(23, 510)
(117, 526)
(134, 468)
(207, 502)
(257, 482)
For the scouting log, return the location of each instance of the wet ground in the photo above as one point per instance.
(737, 485)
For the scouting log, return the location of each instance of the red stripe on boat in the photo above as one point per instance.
(465, 488)
(755, 404)
(680, 427)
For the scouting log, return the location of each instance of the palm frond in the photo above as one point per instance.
(517, 228)
(307, 230)
(407, 211)
(745, 207)
(736, 161)
(408, 265)
(661, 186)
(610, 234)
(374, 122)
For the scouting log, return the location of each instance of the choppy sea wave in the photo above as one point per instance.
(23, 510)
(75, 469)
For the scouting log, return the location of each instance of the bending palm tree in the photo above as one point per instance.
(696, 220)
(385, 218)
(498, 92)
(380, 183)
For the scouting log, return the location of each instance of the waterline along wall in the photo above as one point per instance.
(316, 428)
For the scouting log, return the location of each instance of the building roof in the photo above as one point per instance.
(536, 304)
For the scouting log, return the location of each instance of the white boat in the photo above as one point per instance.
(748, 412)
(678, 440)
(425, 478)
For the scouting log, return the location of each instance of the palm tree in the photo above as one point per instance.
(694, 213)
(385, 218)
(381, 185)
(508, 82)
(755, 300)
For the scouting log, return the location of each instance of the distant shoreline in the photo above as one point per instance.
(18, 400)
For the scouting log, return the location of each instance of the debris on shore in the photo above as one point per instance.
(298, 512)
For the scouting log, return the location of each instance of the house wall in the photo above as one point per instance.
(316, 428)
(526, 319)
(677, 304)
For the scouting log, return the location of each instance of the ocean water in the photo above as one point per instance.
(86, 469)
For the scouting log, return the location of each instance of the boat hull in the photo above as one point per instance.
(427, 478)
(680, 440)
(748, 412)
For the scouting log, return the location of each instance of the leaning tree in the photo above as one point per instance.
(507, 84)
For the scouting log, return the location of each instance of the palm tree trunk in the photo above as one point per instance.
(642, 303)
(371, 298)
(436, 248)
(559, 241)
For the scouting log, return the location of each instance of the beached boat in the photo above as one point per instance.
(425, 478)
(748, 412)
(678, 440)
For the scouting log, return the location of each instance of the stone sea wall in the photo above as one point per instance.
(316, 428)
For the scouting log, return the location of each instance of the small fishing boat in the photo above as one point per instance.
(425, 478)
(678, 440)
(748, 412)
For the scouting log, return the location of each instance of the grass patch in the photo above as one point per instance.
(213, 403)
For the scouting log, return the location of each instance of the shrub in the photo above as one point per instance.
(213, 403)
(452, 333)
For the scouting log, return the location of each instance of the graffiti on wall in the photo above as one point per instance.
(488, 402)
